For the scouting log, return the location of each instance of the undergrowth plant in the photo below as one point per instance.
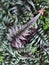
(24, 32)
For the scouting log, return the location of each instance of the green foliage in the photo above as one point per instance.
(19, 12)
(34, 50)
(1, 59)
(46, 25)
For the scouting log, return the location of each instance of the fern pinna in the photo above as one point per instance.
(19, 37)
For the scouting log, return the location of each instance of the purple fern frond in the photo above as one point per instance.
(19, 37)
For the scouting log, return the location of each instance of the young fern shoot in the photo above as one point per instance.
(19, 37)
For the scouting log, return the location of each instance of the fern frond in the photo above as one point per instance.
(39, 38)
(18, 37)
